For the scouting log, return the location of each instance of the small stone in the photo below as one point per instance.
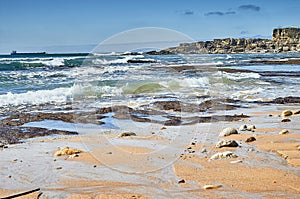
(9, 176)
(67, 151)
(193, 143)
(126, 134)
(270, 115)
(284, 131)
(73, 155)
(1, 145)
(296, 112)
(286, 113)
(243, 127)
(236, 161)
(227, 143)
(58, 168)
(163, 128)
(228, 131)
(181, 181)
(212, 186)
(109, 153)
(250, 139)
(203, 150)
(285, 120)
(222, 155)
(251, 128)
(95, 166)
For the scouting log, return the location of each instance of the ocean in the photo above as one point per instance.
(140, 78)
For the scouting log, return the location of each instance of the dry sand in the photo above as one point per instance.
(150, 166)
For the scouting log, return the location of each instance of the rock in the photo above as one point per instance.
(227, 143)
(212, 186)
(251, 128)
(67, 151)
(228, 131)
(163, 128)
(236, 161)
(286, 113)
(285, 120)
(126, 134)
(284, 131)
(73, 155)
(203, 150)
(1, 145)
(243, 127)
(223, 155)
(250, 139)
(58, 168)
(181, 181)
(296, 112)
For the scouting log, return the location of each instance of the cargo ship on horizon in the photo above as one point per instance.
(14, 52)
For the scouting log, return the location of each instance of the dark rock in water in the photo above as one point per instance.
(134, 61)
(250, 139)
(285, 100)
(12, 135)
(172, 122)
(285, 120)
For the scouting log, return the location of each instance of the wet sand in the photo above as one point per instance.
(170, 162)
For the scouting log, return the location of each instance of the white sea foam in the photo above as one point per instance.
(238, 76)
(122, 60)
(195, 82)
(36, 97)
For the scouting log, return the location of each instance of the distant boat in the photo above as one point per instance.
(14, 52)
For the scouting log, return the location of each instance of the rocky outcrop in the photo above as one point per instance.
(283, 40)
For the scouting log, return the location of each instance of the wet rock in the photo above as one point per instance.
(243, 127)
(228, 131)
(126, 134)
(250, 139)
(163, 128)
(296, 112)
(181, 181)
(251, 128)
(227, 143)
(223, 155)
(211, 186)
(67, 151)
(286, 100)
(284, 131)
(285, 120)
(58, 168)
(286, 113)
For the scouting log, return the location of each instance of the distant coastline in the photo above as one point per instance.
(284, 40)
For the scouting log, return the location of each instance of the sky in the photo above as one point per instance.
(80, 25)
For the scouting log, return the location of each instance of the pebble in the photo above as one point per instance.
(251, 128)
(243, 127)
(286, 113)
(236, 161)
(285, 120)
(58, 168)
(250, 139)
(296, 112)
(210, 186)
(284, 131)
(163, 128)
(126, 134)
(203, 150)
(228, 131)
(181, 181)
(73, 155)
(67, 151)
(227, 143)
(222, 155)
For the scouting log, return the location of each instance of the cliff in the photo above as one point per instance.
(283, 40)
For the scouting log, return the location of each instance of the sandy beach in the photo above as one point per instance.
(154, 164)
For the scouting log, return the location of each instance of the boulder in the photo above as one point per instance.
(228, 131)
(286, 113)
(227, 143)
(223, 155)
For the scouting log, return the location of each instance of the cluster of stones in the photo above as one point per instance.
(283, 40)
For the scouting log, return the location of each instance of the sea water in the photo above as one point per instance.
(98, 80)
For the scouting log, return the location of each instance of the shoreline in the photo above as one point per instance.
(178, 166)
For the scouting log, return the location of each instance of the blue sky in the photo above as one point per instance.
(76, 25)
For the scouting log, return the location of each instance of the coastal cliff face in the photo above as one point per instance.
(283, 40)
